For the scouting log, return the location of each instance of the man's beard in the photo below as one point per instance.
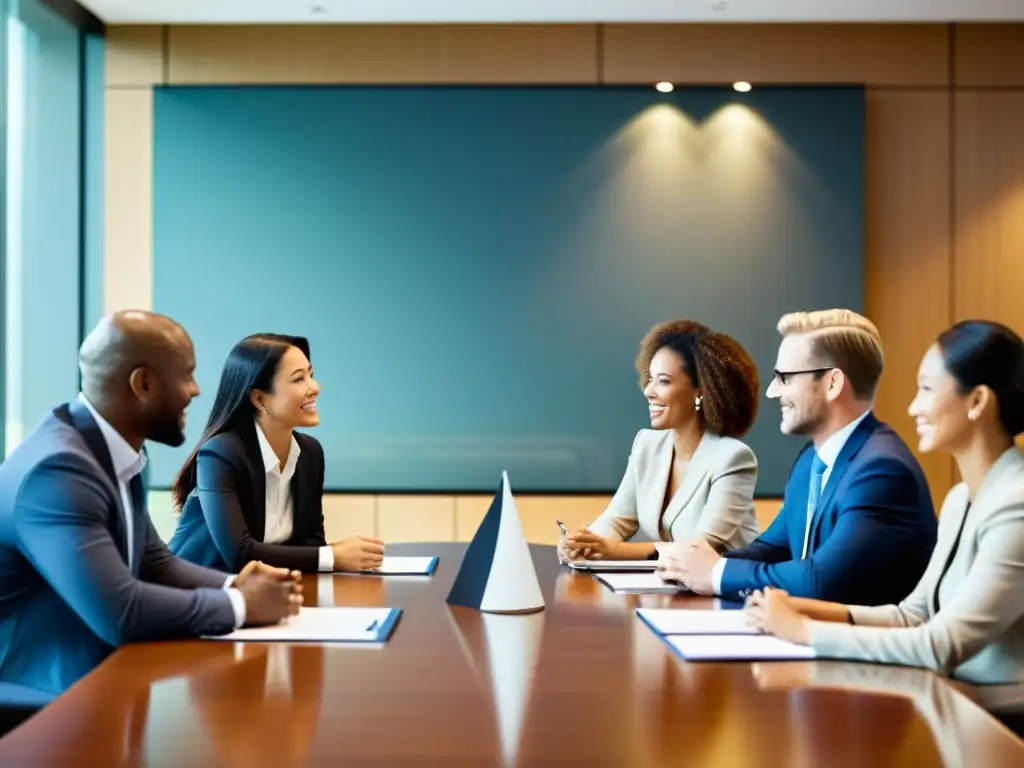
(168, 431)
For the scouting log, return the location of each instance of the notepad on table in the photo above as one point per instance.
(614, 565)
(638, 583)
(737, 648)
(681, 621)
(323, 625)
(404, 566)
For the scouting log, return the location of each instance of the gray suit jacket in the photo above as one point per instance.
(977, 635)
(716, 499)
(67, 595)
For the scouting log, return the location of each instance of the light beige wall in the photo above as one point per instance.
(944, 170)
(400, 518)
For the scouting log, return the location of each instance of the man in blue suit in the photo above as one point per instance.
(857, 524)
(82, 569)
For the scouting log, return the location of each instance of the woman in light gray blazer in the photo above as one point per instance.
(688, 476)
(965, 618)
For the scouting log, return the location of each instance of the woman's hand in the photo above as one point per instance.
(771, 612)
(564, 553)
(358, 553)
(589, 546)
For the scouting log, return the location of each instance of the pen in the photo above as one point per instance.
(565, 532)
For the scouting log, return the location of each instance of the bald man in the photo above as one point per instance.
(82, 569)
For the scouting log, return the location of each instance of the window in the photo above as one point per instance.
(43, 215)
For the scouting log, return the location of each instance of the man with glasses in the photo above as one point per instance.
(857, 523)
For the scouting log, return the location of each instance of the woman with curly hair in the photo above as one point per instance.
(688, 476)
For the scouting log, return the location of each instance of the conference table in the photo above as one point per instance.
(583, 682)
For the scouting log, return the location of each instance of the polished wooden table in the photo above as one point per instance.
(583, 682)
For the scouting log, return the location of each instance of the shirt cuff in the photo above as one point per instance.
(237, 602)
(716, 575)
(327, 558)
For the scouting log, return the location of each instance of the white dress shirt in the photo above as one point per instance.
(828, 453)
(127, 463)
(280, 506)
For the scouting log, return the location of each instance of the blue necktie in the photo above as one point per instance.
(818, 468)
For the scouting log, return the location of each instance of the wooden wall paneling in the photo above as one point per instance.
(811, 54)
(989, 248)
(766, 511)
(349, 515)
(539, 514)
(128, 199)
(908, 248)
(429, 518)
(536, 513)
(134, 56)
(324, 53)
(907, 176)
(989, 55)
(469, 513)
(415, 518)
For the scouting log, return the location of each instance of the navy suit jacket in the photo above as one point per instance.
(67, 594)
(223, 520)
(871, 537)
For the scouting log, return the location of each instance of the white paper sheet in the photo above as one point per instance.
(638, 583)
(737, 648)
(614, 565)
(319, 625)
(681, 621)
(404, 566)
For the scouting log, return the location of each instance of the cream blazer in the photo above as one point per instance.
(715, 500)
(977, 636)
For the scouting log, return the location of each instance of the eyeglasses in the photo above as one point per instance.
(783, 376)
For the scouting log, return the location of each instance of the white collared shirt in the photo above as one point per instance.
(280, 517)
(828, 453)
(127, 463)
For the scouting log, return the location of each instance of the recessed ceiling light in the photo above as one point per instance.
(742, 86)
(665, 87)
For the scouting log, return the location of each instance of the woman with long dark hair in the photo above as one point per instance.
(253, 487)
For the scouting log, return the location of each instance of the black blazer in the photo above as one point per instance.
(222, 523)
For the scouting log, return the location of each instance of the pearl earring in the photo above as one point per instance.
(696, 403)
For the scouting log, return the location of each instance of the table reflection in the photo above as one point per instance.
(503, 651)
(267, 702)
(944, 724)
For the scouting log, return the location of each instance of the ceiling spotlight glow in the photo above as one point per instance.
(742, 86)
(665, 87)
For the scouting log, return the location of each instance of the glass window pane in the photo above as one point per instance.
(43, 202)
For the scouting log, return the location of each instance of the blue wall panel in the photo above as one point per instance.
(475, 267)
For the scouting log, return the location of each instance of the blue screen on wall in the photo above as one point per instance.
(475, 267)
